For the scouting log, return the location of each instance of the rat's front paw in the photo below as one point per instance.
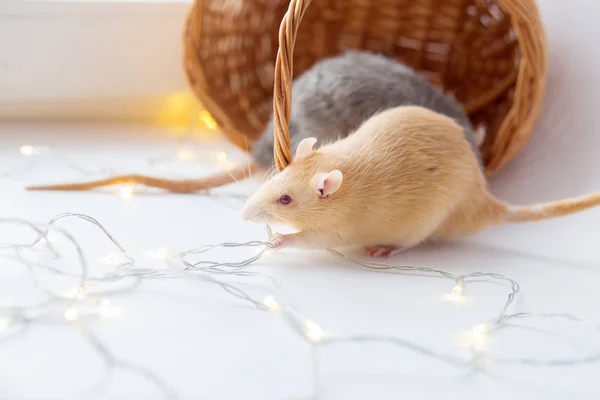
(278, 240)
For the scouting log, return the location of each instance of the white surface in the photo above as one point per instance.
(208, 345)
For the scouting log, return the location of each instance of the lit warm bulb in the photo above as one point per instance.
(480, 329)
(185, 155)
(4, 324)
(126, 192)
(221, 157)
(27, 150)
(454, 298)
(314, 332)
(457, 289)
(163, 253)
(207, 120)
(178, 102)
(75, 293)
(71, 314)
(271, 304)
(478, 337)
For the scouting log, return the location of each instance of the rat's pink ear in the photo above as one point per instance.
(305, 147)
(328, 183)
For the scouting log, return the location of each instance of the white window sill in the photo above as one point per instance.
(88, 7)
(89, 58)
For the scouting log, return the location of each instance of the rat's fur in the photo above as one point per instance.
(337, 94)
(408, 175)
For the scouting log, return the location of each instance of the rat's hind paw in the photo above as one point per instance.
(384, 251)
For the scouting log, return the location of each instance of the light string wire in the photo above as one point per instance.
(24, 316)
(49, 311)
(35, 153)
(187, 152)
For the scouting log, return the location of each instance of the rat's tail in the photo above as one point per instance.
(171, 185)
(536, 212)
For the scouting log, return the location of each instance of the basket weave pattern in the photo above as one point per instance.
(490, 54)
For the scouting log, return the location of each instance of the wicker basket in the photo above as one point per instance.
(490, 54)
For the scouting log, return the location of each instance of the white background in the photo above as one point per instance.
(208, 345)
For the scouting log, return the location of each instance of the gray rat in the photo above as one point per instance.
(337, 94)
(406, 175)
(329, 100)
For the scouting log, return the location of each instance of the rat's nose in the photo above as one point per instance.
(250, 213)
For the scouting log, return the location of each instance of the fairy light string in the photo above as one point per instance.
(186, 153)
(86, 302)
(72, 307)
(180, 110)
(83, 304)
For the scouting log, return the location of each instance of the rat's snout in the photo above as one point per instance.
(251, 212)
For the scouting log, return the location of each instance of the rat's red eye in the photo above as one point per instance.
(285, 199)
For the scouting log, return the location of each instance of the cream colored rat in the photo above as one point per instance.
(404, 176)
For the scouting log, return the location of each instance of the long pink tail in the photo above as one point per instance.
(171, 185)
(536, 212)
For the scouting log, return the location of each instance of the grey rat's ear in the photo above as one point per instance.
(328, 183)
(305, 147)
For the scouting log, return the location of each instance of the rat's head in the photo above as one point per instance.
(301, 194)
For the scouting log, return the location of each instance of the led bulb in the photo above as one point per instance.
(75, 293)
(457, 289)
(126, 192)
(71, 314)
(27, 150)
(314, 332)
(271, 304)
(478, 337)
(480, 329)
(185, 155)
(163, 253)
(207, 120)
(4, 324)
(221, 157)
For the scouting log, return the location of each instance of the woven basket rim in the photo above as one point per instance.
(529, 81)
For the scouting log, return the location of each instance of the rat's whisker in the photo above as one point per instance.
(270, 173)
(233, 177)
